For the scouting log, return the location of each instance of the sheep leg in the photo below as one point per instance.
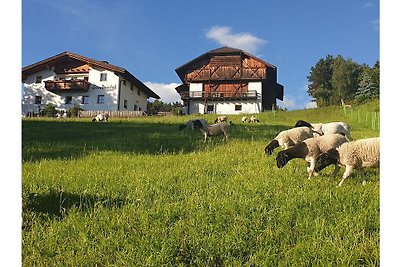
(336, 170)
(311, 169)
(346, 174)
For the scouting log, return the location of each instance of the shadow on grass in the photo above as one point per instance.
(57, 204)
(43, 139)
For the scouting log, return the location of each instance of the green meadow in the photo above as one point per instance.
(138, 192)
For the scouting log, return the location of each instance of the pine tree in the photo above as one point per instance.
(367, 89)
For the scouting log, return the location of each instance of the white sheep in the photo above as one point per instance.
(288, 138)
(101, 117)
(327, 128)
(309, 150)
(244, 119)
(213, 129)
(254, 119)
(359, 154)
(221, 119)
(190, 124)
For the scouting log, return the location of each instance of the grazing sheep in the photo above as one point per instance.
(359, 154)
(190, 124)
(221, 119)
(254, 119)
(327, 128)
(213, 129)
(244, 119)
(309, 150)
(288, 138)
(101, 117)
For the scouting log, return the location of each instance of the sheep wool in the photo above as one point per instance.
(288, 138)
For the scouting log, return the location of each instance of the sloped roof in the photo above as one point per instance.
(226, 50)
(46, 63)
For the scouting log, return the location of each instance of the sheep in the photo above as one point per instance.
(254, 119)
(288, 138)
(327, 128)
(359, 154)
(309, 150)
(244, 119)
(101, 117)
(190, 124)
(221, 119)
(213, 129)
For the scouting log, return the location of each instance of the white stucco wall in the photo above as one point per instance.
(108, 88)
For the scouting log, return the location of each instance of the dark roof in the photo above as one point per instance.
(43, 64)
(226, 50)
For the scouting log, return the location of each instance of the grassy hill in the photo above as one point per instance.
(137, 192)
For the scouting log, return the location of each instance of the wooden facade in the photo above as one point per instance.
(226, 72)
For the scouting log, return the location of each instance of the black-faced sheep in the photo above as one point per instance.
(288, 138)
(327, 128)
(101, 117)
(213, 129)
(359, 154)
(190, 124)
(253, 119)
(244, 119)
(309, 150)
(221, 119)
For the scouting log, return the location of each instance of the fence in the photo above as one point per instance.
(367, 118)
(113, 114)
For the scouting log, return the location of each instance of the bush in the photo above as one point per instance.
(74, 111)
(49, 110)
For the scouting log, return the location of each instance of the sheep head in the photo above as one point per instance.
(325, 159)
(281, 159)
(301, 123)
(270, 147)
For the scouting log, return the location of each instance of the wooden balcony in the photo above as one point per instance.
(220, 96)
(70, 85)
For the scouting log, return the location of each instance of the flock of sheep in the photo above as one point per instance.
(319, 144)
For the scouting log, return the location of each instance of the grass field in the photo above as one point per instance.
(137, 192)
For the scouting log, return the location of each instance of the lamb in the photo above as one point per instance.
(221, 119)
(254, 119)
(244, 119)
(213, 129)
(101, 117)
(288, 138)
(359, 154)
(190, 124)
(327, 128)
(309, 150)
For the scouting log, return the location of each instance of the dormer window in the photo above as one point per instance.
(103, 77)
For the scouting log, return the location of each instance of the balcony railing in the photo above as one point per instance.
(70, 85)
(226, 95)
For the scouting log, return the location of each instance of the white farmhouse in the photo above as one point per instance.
(69, 79)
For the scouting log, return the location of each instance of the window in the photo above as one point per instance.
(38, 79)
(100, 99)
(135, 107)
(210, 108)
(103, 76)
(38, 99)
(238, 107)
(85, 99)
(68, 100)
(138, 91)
(125, 103)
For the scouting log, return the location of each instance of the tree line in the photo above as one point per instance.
(334, 79)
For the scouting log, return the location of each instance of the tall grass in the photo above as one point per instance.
(137, 192)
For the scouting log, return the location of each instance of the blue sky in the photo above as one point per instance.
(151, 38)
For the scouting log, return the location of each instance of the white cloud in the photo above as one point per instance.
(166, 91)
(288, 102)
(244, 40)
(311, 105)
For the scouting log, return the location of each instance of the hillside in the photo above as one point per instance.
(138, 192)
